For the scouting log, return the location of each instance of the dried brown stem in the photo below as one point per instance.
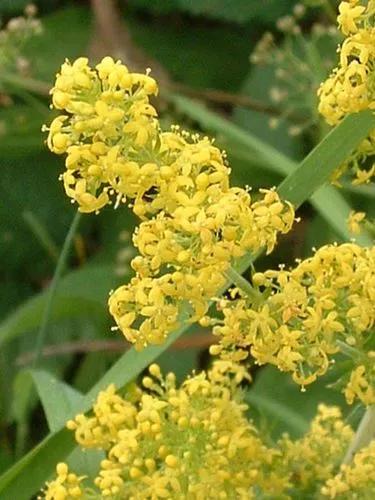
(226, 98)
(83, 346)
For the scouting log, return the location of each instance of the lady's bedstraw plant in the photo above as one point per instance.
(351, 86)
(308, 314)
(194, 224)
(325, 305)
(195, 441)
(298, 66)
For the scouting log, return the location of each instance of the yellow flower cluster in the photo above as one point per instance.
(183, 258)
(191, 442)
(106, 123)
(356, 480)
(194, 224)
(351, 86)
(306, 315)
(195, 442)
(311, 460)
(362, 381)
(66, 486)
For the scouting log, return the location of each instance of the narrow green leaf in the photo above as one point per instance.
(59, 400)
(291, 419)
(22, 387)
(366, 191)
(28, 475)
(331, 205)
(316, 168)
(130, 365)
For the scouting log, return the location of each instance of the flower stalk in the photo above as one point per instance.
(242, 283)
(51, 292)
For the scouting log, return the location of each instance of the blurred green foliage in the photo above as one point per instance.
(202, 45)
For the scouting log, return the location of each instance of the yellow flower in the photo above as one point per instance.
(361, 385)
(349, 88)
(349, 13)
(66, 486)
(194, 224)
(107, 119)
(194, 441)
(354, 221)
(356, 480)
(312, 459)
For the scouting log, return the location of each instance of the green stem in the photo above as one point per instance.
(364, 435)
(242, 283)
(29, 84)
(51, 292)
(349, 351)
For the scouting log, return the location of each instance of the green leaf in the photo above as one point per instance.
(316, 168)
(21, 398)
(59, 400)
(279, 411)
(80, 292)
(284, 406)
(313, 172)
(130, 365)
(27, 475)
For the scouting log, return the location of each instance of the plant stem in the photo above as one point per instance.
(364, 435)
(29, 84)
(349, 351)
(242, 283)
(51, 292)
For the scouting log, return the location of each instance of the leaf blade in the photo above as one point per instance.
(59, 400)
